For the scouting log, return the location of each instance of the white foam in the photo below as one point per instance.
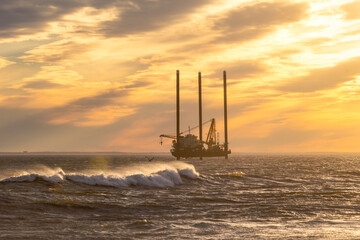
(150, 174)
(189, 172)
(41, 172)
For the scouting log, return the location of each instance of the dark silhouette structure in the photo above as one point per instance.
(188, 145)
(200, 112)
(226, 144)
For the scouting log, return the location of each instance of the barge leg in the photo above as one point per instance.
(200, 115)
(225, 118)
(177, 114)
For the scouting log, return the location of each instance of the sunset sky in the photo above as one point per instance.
(99, 75)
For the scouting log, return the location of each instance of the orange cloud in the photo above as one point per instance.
(4, 62)
(325, 78)
(60, 51)
(352, 10)
(104, 72)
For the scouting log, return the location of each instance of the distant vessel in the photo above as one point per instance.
(188, 145)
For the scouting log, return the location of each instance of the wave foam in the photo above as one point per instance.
(154, 175)
(235, 174)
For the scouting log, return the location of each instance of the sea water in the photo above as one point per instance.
(120, 196)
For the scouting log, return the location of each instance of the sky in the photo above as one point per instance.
(99, 75)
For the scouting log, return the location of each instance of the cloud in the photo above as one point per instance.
(352, 10)
(56, 75)
(244, 23)
(18, 17)
(137, 84)
(102, 99)
(280, 139)
(143, 16)
(59, 51)
(25, 17)
(109, 17)
(262, 14)
(13, 92)
(15, 101)
(286, 135)
(101, 109)
(25, 129)
(4, 62)
(325, 78)
(238, 69)
(253, 21)
(41, 85)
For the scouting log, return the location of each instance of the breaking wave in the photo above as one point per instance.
(154, 175)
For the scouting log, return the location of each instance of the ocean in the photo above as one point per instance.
(125, 196)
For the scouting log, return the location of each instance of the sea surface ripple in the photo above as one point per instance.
(249, 196)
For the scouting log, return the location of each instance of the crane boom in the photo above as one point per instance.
(167, 136)
(193, 128)
(174, 137)
(210, 137)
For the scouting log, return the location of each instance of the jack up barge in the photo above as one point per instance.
(188, 145)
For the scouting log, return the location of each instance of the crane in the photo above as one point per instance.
(211, 136)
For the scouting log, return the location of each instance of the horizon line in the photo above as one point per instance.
(162, 153)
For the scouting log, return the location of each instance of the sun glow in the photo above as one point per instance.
(292, 69)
